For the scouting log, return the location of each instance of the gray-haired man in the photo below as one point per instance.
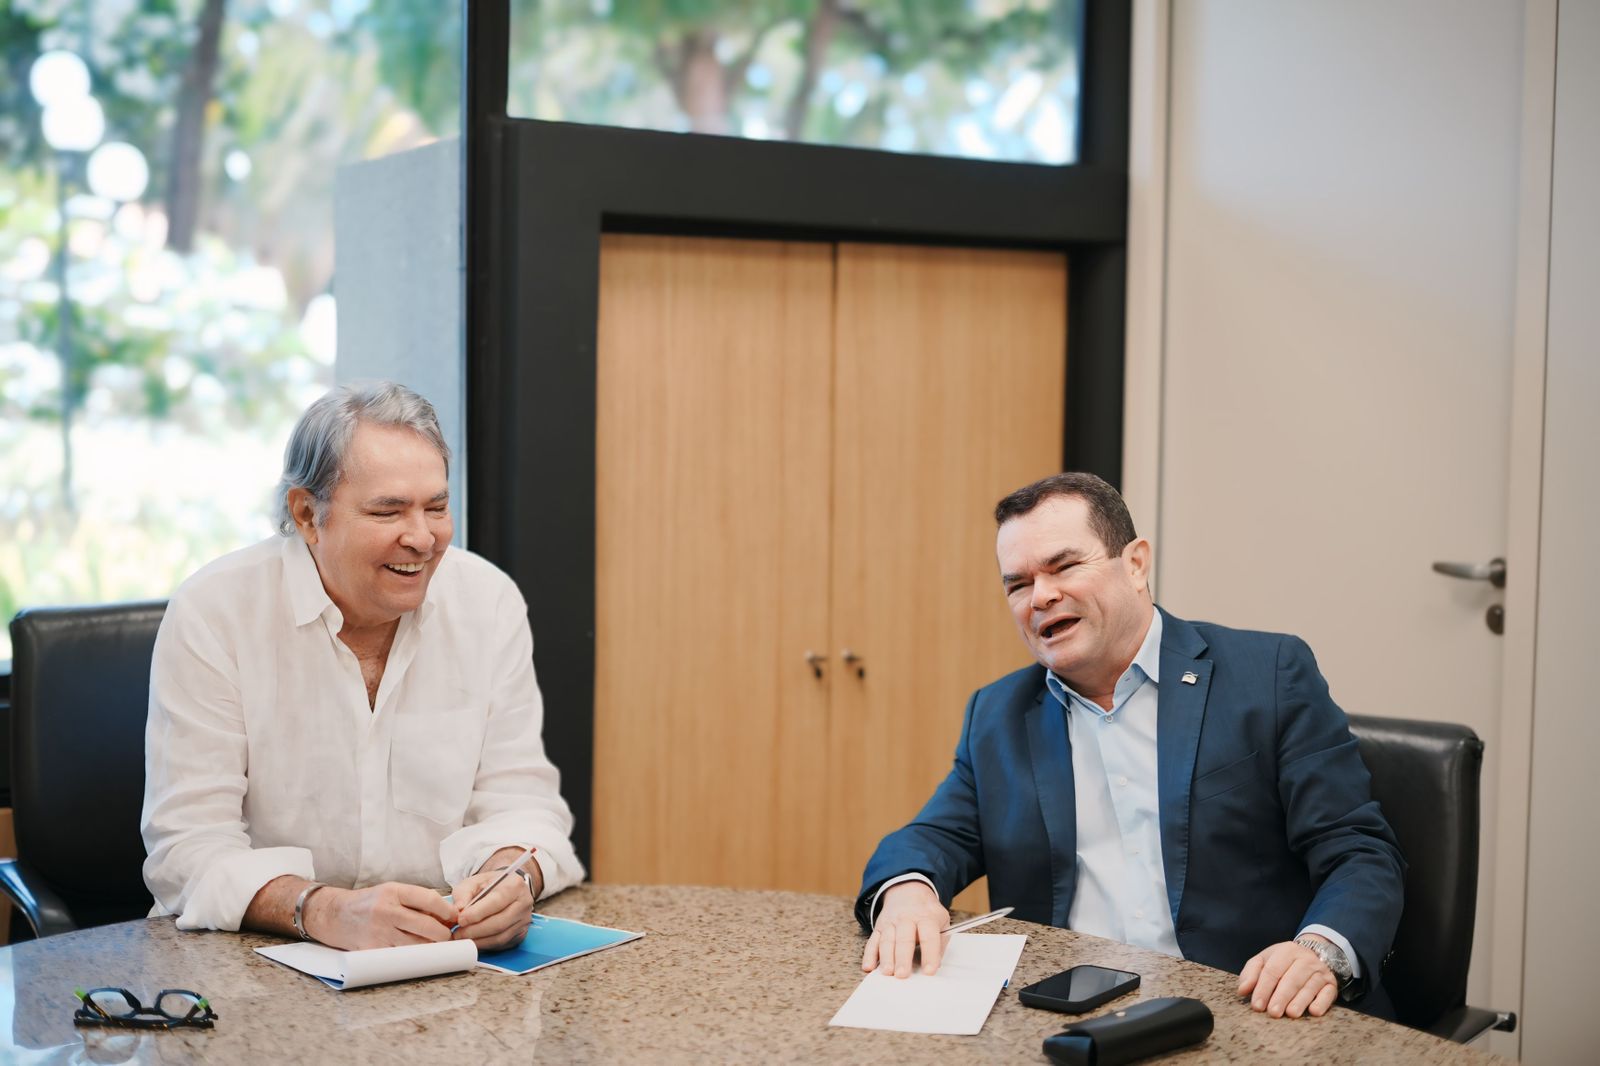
(344, 719)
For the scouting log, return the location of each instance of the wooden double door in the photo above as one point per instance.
(799, 448)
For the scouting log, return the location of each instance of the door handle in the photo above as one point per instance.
(851, 659)
(815, 661)
(1493, 571)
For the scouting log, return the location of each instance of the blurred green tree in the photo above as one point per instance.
(701, 53)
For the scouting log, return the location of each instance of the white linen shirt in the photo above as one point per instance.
(263, 757)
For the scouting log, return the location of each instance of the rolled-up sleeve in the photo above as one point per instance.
(200, 864)
(516, 794)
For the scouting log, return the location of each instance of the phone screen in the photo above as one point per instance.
(1082, 982)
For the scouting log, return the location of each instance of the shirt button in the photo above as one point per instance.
(1133, 851)
(1139, 913)
(1122, 782)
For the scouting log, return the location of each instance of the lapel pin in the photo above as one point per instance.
(1190, 677)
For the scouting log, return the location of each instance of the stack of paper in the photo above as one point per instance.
(549, 941)
(375, 966)
(956, 1000)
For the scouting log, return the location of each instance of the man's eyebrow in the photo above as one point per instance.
(440, 496)
(388, 501)
(1062, 556)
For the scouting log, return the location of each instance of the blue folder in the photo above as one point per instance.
(552, 940)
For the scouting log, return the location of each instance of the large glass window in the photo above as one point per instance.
(986, 79)
(168, 177)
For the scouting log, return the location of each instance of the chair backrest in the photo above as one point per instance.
(79, 698)
(1425, 777)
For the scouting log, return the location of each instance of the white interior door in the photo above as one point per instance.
(1563, 865)
(1341, 245)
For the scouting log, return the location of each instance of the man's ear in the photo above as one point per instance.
(1139, 557)
(303, 511)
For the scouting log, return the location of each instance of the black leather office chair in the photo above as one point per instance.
(80, 691)
(1425, 776)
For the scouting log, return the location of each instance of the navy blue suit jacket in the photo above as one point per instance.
(1267, 818)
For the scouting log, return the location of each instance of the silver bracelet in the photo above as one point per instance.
(300, 908)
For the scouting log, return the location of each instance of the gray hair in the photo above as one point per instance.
(314, 457)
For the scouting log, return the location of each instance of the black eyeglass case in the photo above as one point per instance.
(1144, 1029)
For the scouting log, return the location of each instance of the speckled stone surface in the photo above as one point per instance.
(721, 976)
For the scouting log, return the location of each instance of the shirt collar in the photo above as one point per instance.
(308, 600)
(1146, 664)
(1149, 657)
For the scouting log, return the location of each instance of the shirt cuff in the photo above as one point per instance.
(223, 893)
(1343, 944)
(887, 885)
(549, 869)
(549, 873)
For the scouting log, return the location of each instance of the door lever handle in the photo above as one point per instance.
(851, 659)
(815, 661)
(1493, 571)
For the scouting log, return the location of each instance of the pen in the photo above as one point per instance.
(507, 872)
(979, 920)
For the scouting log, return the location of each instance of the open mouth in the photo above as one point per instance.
(405, 569)
(1056, 628)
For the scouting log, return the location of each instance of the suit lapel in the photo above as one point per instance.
(1051, 753)
(1180, 712)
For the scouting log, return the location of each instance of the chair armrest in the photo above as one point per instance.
(1465, 1024)
(41, 906)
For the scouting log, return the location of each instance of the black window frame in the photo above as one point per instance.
(540, 195)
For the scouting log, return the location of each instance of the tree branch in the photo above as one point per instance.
(741, 66)
(188, 131)
(819, 35)
(858, 21)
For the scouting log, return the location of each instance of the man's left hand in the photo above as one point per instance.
(501, 918)
(1288, 980)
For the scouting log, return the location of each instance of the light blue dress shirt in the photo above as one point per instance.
(1122, 884)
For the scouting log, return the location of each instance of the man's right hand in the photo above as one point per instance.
(911, 915)
(386, 915)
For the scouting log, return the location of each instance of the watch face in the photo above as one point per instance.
(1331, 956)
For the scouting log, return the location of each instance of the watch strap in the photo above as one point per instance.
(1332, 956)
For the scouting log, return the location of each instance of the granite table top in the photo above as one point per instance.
(722, 975)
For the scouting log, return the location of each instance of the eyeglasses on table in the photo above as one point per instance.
(173, 1008)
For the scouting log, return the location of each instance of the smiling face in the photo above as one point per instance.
(386, 528)
(1082, 611)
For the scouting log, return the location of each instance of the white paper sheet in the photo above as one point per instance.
(956, 1000)
(375, 966)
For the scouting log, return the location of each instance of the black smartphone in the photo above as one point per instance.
(1078, 989)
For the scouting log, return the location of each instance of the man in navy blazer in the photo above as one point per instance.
(1180, 786)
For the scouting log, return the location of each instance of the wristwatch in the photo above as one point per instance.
(1332, 957)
